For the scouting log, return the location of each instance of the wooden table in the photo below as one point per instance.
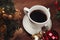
(20, 4)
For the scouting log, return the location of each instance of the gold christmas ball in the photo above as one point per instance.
(5, 15)
(10, 16)
(3, 11)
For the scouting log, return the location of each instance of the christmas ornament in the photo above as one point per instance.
(2, 10)
(50, 35)
(37, 36)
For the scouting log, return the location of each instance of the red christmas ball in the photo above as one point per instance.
(50, 35)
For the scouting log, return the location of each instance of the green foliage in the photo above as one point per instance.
(8, 5)
(58, 15)
(11, 25)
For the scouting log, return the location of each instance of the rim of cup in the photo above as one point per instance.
(48, 17)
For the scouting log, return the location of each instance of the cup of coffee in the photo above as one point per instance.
(38, 15)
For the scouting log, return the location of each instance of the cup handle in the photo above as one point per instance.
(48, 9)
(26, 10)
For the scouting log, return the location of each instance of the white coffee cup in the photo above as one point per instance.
(38, 7)
(38, 25)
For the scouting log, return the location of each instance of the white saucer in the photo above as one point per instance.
(29, 27)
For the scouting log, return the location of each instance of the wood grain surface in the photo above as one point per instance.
(21, 34)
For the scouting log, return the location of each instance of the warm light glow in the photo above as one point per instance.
(53, 37)
(50, 34)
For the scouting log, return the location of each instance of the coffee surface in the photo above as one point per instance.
(38, 16)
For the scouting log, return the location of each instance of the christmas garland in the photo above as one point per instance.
(7, 11)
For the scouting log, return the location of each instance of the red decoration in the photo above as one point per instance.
(56, 4)
(50, 35)
(59, 8)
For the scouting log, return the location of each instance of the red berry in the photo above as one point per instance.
(51, 35)
(56, 4)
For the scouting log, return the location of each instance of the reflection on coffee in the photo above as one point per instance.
(38, 16)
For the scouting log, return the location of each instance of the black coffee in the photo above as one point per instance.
(38, 16)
